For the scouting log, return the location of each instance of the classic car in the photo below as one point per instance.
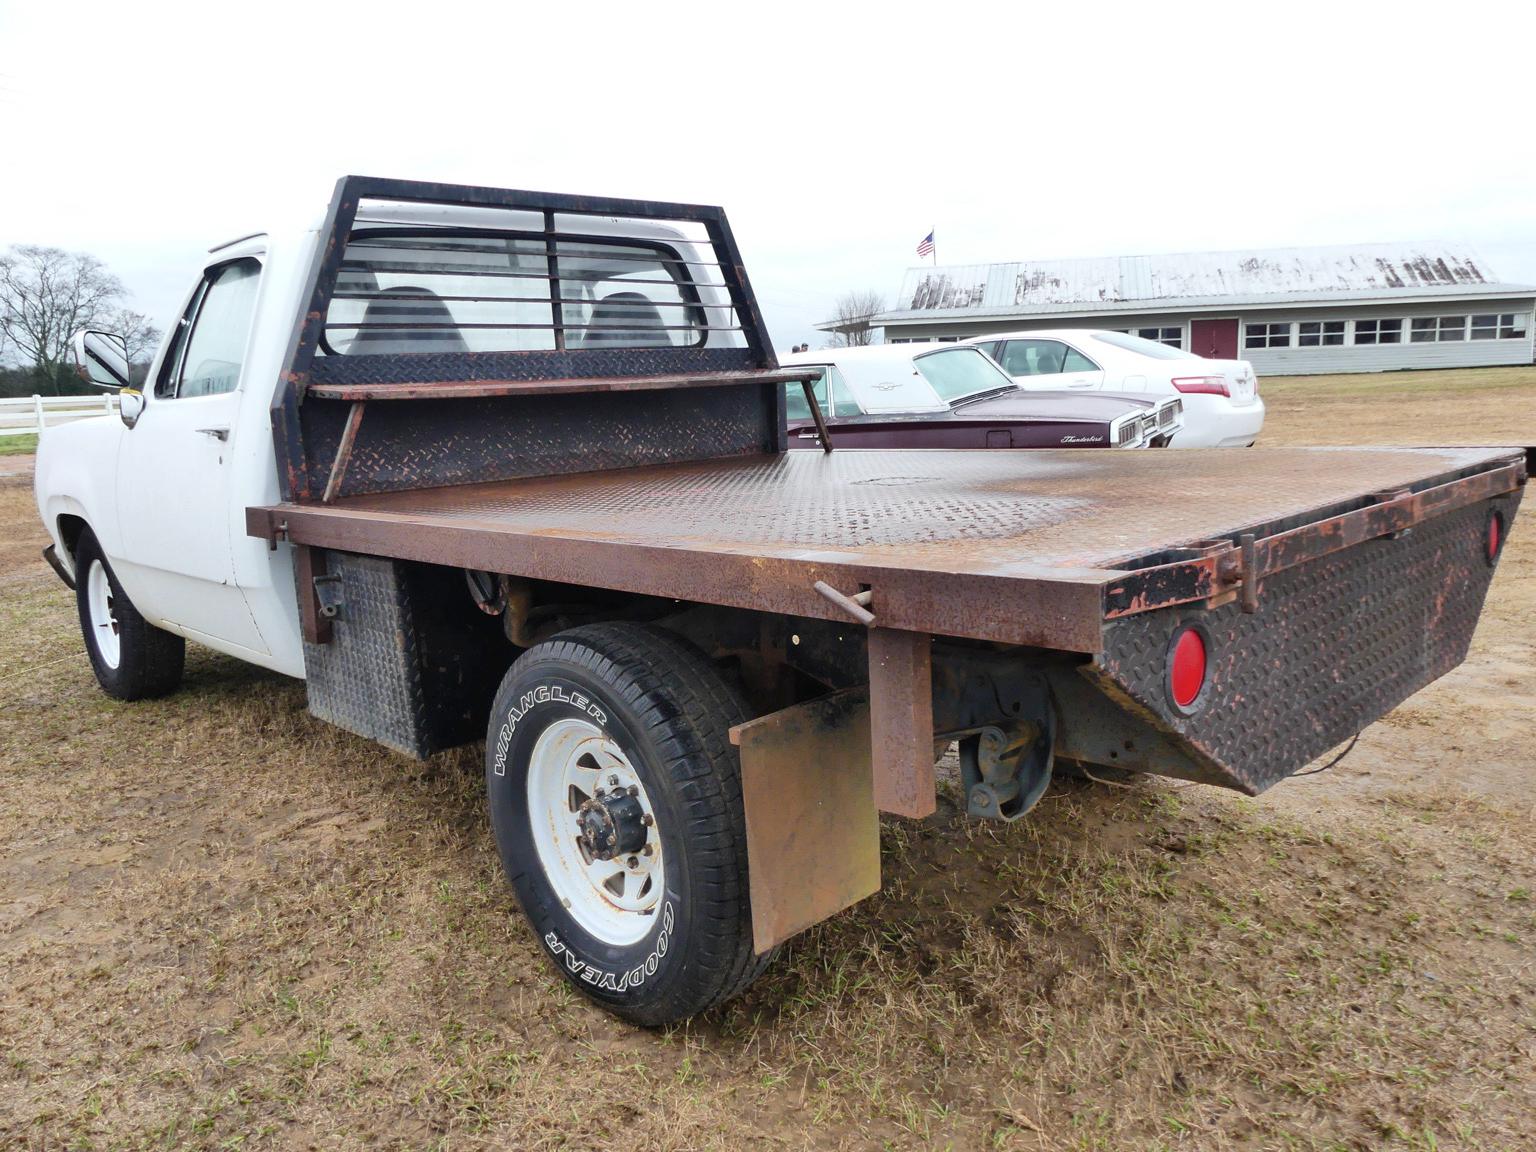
(954, 396)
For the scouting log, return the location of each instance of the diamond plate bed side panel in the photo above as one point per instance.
(367, 680)
(1335, 644)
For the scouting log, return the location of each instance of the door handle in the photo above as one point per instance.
(217, 433)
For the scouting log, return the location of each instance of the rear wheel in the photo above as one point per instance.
(615, 798)
(132, 659)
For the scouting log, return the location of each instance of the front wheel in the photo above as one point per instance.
(615, 798)
(132, 659)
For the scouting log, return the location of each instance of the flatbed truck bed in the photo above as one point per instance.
(1021, 547)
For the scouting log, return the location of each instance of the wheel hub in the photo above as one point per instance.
(611, 826)
(595, 831)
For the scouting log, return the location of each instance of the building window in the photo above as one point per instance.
(1318, 332)
(1267, 335)
(1378, 331)
(1500, 326)
(1428, 329)
(1173, 337)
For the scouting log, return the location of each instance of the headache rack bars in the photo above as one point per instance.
(413, 347)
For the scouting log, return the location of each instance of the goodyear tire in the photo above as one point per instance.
(132, 659)
(615, 798)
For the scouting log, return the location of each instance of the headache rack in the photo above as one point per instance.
(456, 334)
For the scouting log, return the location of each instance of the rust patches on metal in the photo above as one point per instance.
(901, 710)
(817, 414)
(856, 606)
(1211, 577)
(343, 453)
(479, 389)
(308, 564)
(1338, 639)
(1250, 572)
(813, 834)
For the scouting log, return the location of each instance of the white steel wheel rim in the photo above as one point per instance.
(102, 609)
(615, 900)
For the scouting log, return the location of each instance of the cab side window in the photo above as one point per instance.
(209, 349)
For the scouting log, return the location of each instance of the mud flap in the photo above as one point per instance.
(813, 834)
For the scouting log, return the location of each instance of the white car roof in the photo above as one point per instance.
(883, 378)
(1043, 334)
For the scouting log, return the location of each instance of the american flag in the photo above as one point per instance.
(926, 247)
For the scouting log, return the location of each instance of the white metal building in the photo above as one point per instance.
(1361, 308)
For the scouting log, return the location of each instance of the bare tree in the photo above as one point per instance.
(45, 295)
(855, 311)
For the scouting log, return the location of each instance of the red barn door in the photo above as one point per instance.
(1213, 339)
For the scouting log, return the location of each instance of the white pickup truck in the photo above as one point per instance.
(512, 466)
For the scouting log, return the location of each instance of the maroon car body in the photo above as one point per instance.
(941, 396)
(1016, 419)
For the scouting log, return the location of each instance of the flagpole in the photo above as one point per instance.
(934, 232)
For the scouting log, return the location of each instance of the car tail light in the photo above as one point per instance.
(1495, 538)
(1186, 668)
(1216, 385)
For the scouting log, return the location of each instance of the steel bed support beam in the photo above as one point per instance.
(901, 720)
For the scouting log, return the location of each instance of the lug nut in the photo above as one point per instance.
(634, 789)
(613, 781)
(647, 819)
(634, 862)
(645, 850)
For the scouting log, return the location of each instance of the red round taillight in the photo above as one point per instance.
(1186, 668)
(1495, 536)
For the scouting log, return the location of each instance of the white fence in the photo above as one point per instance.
(22, 414)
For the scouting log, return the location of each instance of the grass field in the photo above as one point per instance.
(224, 924)
(21, 445)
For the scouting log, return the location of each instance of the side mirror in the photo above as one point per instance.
(101, 358)
(130, 405)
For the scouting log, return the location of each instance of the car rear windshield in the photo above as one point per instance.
(1142, 347)
(956, 373)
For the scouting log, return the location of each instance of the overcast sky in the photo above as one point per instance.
(834, 136)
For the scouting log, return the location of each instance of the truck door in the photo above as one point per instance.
(173, 470)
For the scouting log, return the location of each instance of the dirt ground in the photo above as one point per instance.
(224, 924)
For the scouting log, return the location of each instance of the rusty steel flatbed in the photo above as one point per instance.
(1036, 547)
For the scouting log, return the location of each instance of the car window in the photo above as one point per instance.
(795, 406)
(956, 373)
(1034, 357)
(1077, 362)
(209, 349)
(1143, 347)
(843, 403)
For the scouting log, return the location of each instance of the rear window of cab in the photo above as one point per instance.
(412, 291)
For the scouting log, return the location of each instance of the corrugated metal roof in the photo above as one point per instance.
(1362, 271)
